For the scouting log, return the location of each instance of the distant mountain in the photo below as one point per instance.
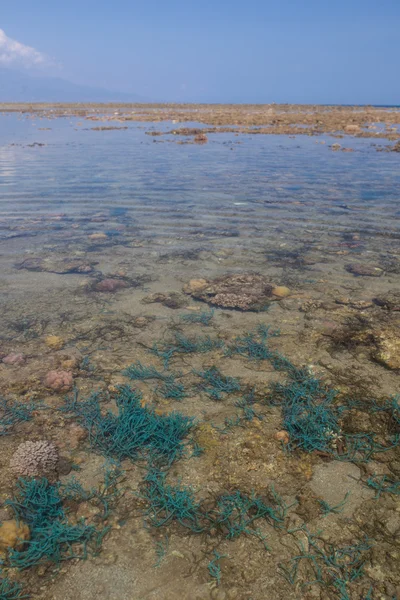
(18, 86)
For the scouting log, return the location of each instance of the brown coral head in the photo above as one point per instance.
(59, 381)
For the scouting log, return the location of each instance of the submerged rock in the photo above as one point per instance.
(201, 138)
(361, 270)
(246, 291)
(195, 285)
(142, 322)
(333, 480)
(172, 300)
(390, 300)
(388, 348)
(356, 304)
(60, 266)
(109, 285)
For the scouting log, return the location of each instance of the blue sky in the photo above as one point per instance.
(313, 51)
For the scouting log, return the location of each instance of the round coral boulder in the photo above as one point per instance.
(34, 458)
(13, 534)
(59, 381)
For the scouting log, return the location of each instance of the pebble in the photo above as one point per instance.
(64, 466)
(282, 436)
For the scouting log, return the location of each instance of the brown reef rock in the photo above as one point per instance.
(246, 291)
(387, 352)
(390, 300)
(109, 285)
(361, 270)
(59, 266)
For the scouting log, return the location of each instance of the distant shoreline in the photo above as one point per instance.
(377, 122)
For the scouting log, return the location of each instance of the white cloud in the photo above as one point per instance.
(15, 54)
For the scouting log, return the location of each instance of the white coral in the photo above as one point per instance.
(34, 458)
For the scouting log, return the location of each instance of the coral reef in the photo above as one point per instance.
(34, 458)
(54, 342)
(246, 291)
(59, 381)
(13, 534)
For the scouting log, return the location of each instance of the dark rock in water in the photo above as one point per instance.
(201, 138)
(64, 466)
(61, 266)
(109, 285)
(71, 266)
(174, 301)
(361, 270)
(390, 300)
(31, 264)
(244, 291)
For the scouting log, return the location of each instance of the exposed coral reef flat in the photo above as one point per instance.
(200, 342)
(198, 120)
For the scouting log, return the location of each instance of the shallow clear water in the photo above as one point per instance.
(149, 215)
(247, 183)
